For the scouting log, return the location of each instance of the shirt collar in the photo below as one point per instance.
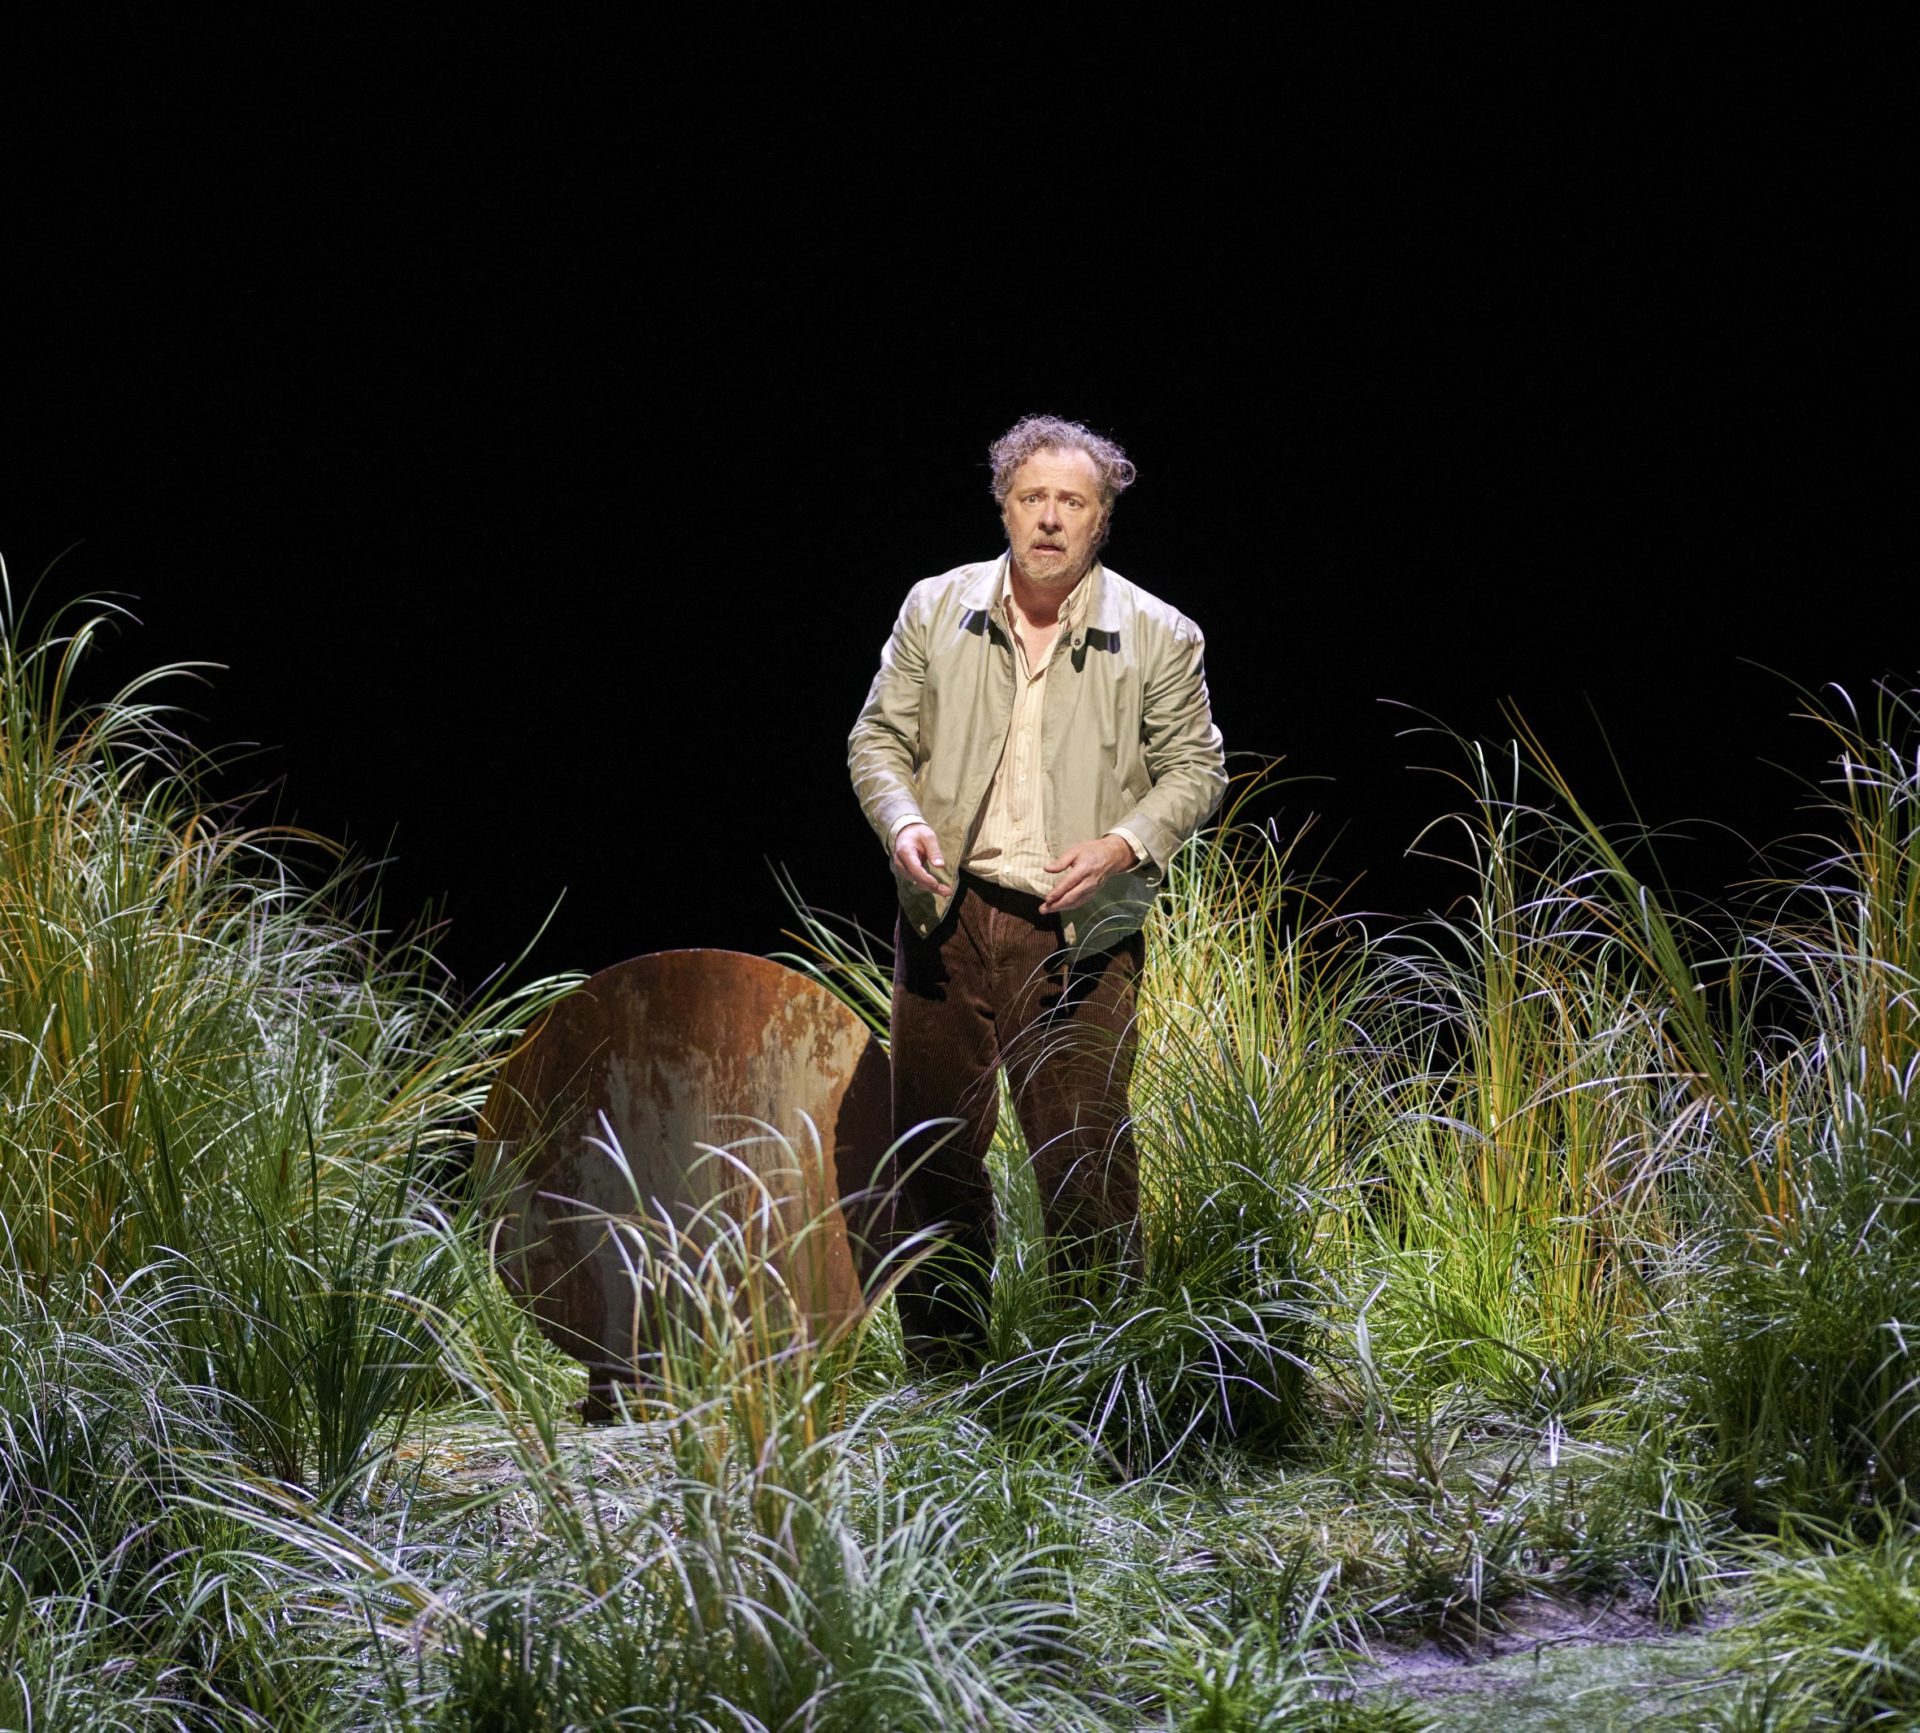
(1073, 614)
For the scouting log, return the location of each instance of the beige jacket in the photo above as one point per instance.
(1126, 737)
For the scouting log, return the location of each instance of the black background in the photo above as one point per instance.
(543, 429)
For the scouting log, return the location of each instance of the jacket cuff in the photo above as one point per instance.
(1152, 841)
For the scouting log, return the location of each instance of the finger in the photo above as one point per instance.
(1070, 891)
(920, 861)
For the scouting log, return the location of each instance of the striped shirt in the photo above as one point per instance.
(1010, 840)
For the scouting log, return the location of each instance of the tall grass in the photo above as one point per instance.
(1811, 1286)
(1525, 1128)
(223, 1104)
(1530, 1250)
(213, 1078)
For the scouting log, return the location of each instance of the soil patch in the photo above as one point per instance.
(1556, 1666)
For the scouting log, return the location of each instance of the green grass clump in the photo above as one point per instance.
(126, 1595)
(1811, 1284)
(223, 1108)
(211, 1081)
(1519, 1151)
(1836, 1638)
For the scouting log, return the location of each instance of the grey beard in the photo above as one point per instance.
(1063, 579)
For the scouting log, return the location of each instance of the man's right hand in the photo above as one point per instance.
(916, 855)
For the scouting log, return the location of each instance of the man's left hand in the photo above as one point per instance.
(1083, 869)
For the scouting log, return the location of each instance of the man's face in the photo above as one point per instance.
(1053, 517)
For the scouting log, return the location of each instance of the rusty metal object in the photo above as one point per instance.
(661, 1055)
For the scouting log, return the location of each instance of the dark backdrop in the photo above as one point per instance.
(542, 430)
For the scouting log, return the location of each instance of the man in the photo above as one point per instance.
(1042, 725)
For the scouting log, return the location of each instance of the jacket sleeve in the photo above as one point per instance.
(883, 751)
(1183, 749)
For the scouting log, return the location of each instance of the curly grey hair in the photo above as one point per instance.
(1050, 433)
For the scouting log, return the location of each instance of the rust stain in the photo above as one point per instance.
(669, 1051)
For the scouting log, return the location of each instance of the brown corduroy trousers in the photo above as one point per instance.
(992, 987)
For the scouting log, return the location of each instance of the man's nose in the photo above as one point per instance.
(1050, 513)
